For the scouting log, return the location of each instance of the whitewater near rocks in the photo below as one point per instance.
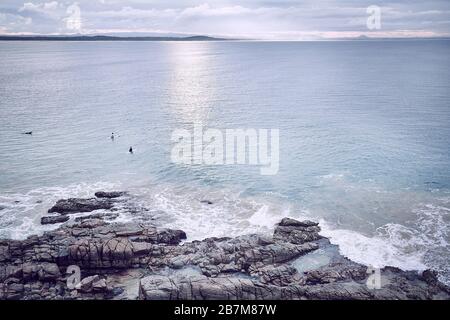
(141, 261)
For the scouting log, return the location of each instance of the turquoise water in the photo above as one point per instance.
(364, 137)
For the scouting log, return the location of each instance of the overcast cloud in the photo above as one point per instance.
(284, 19)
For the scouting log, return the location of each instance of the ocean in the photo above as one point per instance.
(364, 138)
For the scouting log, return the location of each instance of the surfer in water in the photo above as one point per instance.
(112, 136)
(130, 150)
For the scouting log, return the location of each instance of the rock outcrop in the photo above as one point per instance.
(74, 205)
(110, 256)
(110, 195)
(54, 219)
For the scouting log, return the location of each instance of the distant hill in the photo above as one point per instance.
(366, 38)
(106, 38)
(177, 37)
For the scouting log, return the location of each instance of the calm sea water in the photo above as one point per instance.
(364, 137)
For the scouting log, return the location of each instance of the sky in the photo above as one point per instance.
(254, 19)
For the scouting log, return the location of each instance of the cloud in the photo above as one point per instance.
(130, 13)
(45, 8)
(246, 18)
(206, 11)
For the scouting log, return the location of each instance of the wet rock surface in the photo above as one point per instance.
(110, 195)
(74, 205)
(54, 219)
(135, 260)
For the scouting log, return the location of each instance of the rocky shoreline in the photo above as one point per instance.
(141, 261)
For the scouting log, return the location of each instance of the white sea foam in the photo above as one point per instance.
(422, 246)
(420, 243)
(21, 213)
(229, 213)
(377, 226)
(264, 217)
(376, 251)
(408, 247)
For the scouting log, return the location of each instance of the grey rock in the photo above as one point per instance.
(48, 271)
(297, 232)
(289, 222)
(87, 284)
(430, 276)
(110, 194)
(98, 215)
(12, 290)
(74, 205)
(141, 248)
(280, 276)
(30, 270)
(4, 253)
(54, 219)
(170, 236)
(99, 285)
(337, 272)
(244, 267)
(276, 253)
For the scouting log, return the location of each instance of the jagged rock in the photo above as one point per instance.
(11, 271)
(276, 253)
(90, 224)
(44, 271)
(171, 236)
(48, 271)
(97, 253)
(110, 195)
(100, 285)
(74, 205)
(118, 250)
(244, 267)
(297, 232)
(87, 284)
(12, 290)
(203, 288)
(30, 270)
(54, 219)
(279, 276)
(141, 248)
(99, 215)
(130, 229)
(337, 272)
(160, 287)
(289, 222)
(4, 253)
(430, 276)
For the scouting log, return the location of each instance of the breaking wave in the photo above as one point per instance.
(420, 242)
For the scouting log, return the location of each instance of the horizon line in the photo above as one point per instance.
(105, 37)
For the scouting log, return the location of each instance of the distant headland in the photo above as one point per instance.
(178, 37)
(105, 38)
